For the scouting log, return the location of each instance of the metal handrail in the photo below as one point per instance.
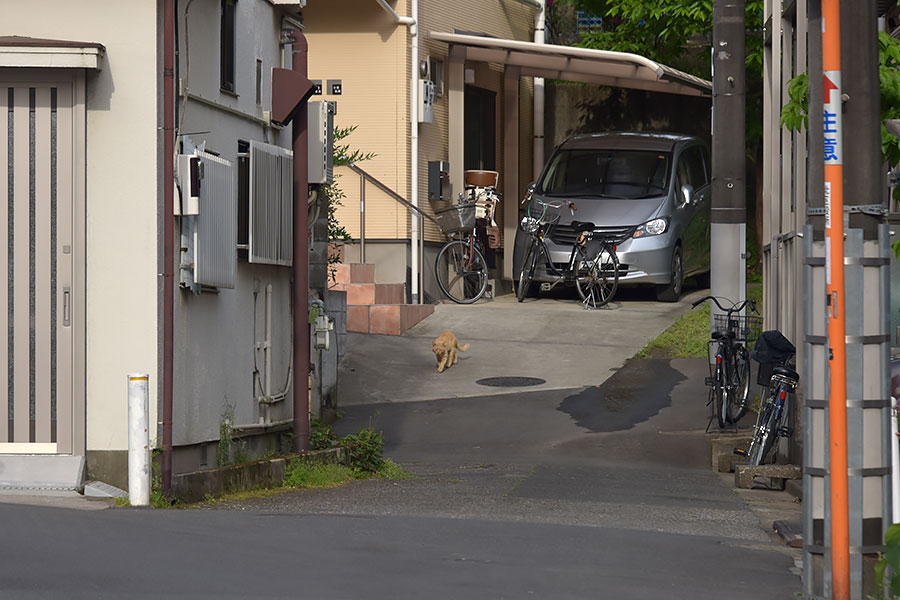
(363, 176)
(390, 192)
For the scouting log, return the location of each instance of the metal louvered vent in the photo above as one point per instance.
(215, 231)
(271, 208)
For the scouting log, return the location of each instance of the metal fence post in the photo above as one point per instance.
(362, 218)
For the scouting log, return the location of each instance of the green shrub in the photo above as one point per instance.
(321, 436)
(365, 450)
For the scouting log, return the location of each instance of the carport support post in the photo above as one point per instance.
(728, 219)
(510, 165)
(456, 108)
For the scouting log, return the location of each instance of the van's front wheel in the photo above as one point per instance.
(671, 291)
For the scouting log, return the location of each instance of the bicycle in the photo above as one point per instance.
(593, 265)
(729, 380)
(775, 354)
(460, 268)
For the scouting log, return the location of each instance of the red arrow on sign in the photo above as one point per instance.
(828, 85)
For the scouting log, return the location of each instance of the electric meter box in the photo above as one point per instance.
(438, 183)
(426, 101)
(320, 154)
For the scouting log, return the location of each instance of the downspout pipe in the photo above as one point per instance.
(408, 21)
(414, 100)
(539, 38)
(168, 210)
(299, 139)
(412, 22)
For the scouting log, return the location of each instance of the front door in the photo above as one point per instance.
(37, 185)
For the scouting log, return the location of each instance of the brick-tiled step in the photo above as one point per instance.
(353, 273)
(385, 319)
(373, 293)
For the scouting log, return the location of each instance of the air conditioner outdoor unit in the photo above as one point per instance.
(190, 175)
(320, 154)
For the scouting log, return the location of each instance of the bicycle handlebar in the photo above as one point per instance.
(735, 307)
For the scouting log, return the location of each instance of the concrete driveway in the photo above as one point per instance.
(553, 339)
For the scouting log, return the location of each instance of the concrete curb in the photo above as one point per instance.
(199, 485)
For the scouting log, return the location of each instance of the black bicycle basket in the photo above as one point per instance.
(745, 328)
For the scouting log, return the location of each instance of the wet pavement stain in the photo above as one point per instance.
(636, 392)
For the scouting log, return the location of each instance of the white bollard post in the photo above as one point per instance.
(138, 439)
(895, 463)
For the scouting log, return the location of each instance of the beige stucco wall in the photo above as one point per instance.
(122, 197)
(356, 41)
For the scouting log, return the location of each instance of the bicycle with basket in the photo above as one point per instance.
(775, 355)
(593, 266)
(460, 268)
(729, 377)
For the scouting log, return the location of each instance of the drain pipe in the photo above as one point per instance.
(414, 151)
(538, 152)
(168, 210)
(300, 145)
(412, 23)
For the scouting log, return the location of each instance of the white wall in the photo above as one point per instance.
(122, 195)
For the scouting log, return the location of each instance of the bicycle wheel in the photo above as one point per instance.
(461, 272)
(739, 386)
(764, 437)
(598, 277)
(527, 272)
(720, 401)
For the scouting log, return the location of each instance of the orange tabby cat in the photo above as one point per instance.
(444, 348)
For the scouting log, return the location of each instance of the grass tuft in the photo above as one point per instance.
(300, 474)
(688, 336)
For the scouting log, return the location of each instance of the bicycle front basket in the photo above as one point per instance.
(456, 218)
(745, 328)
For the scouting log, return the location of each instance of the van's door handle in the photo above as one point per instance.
(67, 308)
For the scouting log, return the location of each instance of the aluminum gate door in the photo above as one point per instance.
(36, 263)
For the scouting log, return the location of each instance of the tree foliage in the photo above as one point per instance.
(794, 114)
(673, 32)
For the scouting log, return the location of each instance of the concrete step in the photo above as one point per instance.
(41, 473)
(386, 319)
(353, 273)
(373, 293)
(744, 475)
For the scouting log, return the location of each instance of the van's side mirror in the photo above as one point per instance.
(687, 195)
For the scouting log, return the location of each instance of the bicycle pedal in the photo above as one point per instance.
(546, 287)
(739, 452)
(709, 381)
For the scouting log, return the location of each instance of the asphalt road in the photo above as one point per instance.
(600, 492)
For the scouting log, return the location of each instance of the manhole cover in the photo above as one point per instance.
(510, 381)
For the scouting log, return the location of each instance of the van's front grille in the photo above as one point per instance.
(566, 234)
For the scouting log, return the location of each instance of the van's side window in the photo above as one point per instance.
(692, 165)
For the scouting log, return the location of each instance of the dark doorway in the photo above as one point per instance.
(480, 129)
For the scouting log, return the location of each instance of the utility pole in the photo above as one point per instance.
(729, 214)
(835, 298)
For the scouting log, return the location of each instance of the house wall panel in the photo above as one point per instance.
(122, 198)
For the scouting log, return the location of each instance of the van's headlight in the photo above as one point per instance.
(654, 227)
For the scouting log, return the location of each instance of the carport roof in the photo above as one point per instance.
(603, 67)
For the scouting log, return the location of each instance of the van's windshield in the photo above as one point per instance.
(628, 174)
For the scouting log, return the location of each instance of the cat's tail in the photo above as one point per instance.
(462, 348)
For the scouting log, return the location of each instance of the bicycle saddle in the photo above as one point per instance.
(581, 226)
(786, 372)
(718, 335)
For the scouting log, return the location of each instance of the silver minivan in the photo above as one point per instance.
(649, 192)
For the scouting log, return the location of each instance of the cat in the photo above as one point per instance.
(444, 348)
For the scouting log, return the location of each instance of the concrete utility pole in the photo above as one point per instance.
(863, 172)
(729, 214)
